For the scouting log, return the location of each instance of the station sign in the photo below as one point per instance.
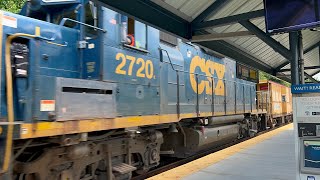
(305, 88)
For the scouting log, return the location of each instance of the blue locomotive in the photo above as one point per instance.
(88, 93)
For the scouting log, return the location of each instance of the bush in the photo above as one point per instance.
(266, 76)
(12, 5)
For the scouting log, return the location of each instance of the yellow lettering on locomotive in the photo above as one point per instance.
(137, 66)
(209, 70)
(197, 85)
(220, 70)
(206, 82)
(119, 69)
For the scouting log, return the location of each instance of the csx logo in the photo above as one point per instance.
(207, 83)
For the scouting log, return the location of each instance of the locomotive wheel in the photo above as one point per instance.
(271, 123)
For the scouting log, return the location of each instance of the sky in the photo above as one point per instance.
(317, 76)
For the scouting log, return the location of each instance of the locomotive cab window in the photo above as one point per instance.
(91, 19)
(71, 14)
(136, 34)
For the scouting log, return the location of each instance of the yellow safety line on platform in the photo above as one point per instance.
(199, 164)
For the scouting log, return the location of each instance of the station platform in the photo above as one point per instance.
(270, 156)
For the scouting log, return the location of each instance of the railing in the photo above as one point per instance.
(263, 101)
(230, 98)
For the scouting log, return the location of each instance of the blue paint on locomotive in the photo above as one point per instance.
(147, 83)
(62, 61)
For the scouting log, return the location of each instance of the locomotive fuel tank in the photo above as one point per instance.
(199, 138)
(225, 119)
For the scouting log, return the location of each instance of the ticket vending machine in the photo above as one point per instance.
(306, 118)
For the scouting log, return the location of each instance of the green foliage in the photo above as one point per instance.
(266, 76)
(12, 5)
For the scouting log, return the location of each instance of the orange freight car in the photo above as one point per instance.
(279, 102)
(286, 102)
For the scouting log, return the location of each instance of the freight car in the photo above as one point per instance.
(278, 103)
(88, 93)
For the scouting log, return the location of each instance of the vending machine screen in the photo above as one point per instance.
(311, 154)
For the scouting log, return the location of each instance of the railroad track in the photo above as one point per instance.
(180, 162)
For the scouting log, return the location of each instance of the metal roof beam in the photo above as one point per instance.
(315, 73)
(229, 20)
(305, 68)
(213, 8)
(151, 14)
(220, 36)
(281, 66)
(310, 77)
(311, 47)
(233, 52)
(304, 52)
(284, 77)
(227, 49)
(267, 39)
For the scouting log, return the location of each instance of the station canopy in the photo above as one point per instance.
(232, 28)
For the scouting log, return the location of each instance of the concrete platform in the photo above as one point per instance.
(267, 157)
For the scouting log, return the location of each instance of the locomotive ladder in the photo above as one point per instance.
(178, 79)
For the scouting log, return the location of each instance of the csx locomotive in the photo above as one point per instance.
(88, 93)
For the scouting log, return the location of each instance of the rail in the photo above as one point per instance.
(64, 20)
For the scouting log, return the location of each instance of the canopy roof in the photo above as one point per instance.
(230, 27)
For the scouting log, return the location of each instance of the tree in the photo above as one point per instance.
(12, 5)
(266, 76)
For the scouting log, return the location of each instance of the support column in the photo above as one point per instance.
(294, 42)
(301, 60)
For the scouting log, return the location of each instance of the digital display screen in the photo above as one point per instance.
(291, 15)
(311, 154)
(247, 73)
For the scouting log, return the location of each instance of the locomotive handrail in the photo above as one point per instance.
(47, 40)
(64, 20)
(178, 82)
(9, 139)
(168, 58)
